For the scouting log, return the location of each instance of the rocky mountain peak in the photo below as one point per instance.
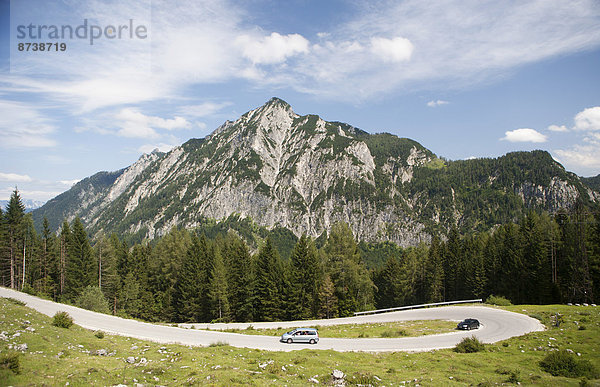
(304, 174)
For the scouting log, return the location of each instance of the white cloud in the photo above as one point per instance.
(456, 43)
(556, 128)
(23, 126)
(581, 156)
(398, 49)
(588, 119)
(13, 177)
(524, 135)
(70, 183)
(138, 125)
(203, 109)
(437, 103)
(271, 49)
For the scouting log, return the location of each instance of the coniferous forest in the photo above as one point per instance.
(187, 276)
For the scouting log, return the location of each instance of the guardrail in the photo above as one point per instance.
(417, 306)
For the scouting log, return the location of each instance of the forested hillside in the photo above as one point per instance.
(188, 275)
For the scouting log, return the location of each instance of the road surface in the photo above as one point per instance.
(497, 325)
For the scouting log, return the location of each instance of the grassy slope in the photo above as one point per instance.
(395, 329)
(56, 356)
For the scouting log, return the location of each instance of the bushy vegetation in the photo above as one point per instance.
(497, 300)
(92, 298)
(564, 363)
(469, 345)
(62, 320)
(11, 362)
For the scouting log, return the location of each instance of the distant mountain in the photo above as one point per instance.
(592, 182)
(303, 174)
(30, 205)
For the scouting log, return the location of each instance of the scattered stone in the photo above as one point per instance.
(379, 379)
(30, 329)
(101, 352)
(578, 354)
(313, 380)
(264, 365)
(17, 334)
(134, 347)
(21, 347)
(143, 361)
(569, 350)
(338, 378)
(130, 360)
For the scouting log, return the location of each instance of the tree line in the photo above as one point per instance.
(186, 276)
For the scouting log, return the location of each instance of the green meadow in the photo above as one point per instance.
(56, 356)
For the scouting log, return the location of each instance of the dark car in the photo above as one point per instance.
(468, 324)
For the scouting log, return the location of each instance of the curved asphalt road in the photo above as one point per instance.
(497, 325)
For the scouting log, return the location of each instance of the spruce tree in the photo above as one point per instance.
(15, 211)
(218, 289)
(81, 268)
(268, 285)
(353, 284)
(240, 278)
(305, 280)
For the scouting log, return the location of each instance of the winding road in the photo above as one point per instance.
(497, 324)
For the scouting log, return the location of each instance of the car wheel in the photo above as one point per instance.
(289, 341)
(312, 341)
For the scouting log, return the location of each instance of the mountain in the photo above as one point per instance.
(303, 174)
(592, 182)
(29, 204)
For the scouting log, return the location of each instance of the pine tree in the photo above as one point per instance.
(15, 211)
(240, 278)
(353, 284)
(4, 252)
(48, 278)
(65, 242)
(164, 268)
(435, 268)
(81, 268)
(218, 289)
(191, 299)
(305, 280)
(327, 299)
(268, 285)
(389, 285)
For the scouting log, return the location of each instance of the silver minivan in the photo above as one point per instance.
(301, 335)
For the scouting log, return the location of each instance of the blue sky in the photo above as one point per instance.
(464, 78)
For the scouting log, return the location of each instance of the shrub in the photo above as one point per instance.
(469, 345)
(394, 333)
(15, 301)
(563, 363)
(62, 320)
(497, 300)
(29, 290)
(10, 361)
(218, 344)
(99, 334)
(92, 298)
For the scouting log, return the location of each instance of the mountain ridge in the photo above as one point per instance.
(302, 173)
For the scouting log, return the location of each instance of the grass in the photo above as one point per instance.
(55, 356)
(395, 329)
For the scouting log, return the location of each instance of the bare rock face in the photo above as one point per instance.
(304, 174)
